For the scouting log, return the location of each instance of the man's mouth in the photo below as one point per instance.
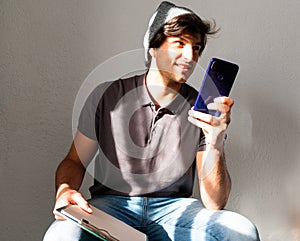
(185, 67)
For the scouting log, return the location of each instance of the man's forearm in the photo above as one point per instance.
(214, 179)
(69, 174)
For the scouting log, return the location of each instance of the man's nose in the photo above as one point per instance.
(188, 52)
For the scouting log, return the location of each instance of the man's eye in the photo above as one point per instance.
(180, 43)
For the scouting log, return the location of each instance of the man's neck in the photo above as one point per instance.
(161, 90)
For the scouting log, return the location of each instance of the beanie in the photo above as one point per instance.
(163, 14)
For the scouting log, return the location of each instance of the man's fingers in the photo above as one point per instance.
(221, 104)
(81, 202)
(201, 116)
(218, 107)
(205, 126)
(224, 100)
(58, 216)
(70, 197)
(59, 204)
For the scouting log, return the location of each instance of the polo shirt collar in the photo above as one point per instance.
(175, 106)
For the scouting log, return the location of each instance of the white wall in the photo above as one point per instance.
(48, 48)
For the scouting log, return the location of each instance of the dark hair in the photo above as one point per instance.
(186, 23)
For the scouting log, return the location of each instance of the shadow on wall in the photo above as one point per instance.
(276, 135)
(264, 173)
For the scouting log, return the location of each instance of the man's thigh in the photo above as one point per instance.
(187, 219)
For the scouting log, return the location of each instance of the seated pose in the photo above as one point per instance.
(149, 144)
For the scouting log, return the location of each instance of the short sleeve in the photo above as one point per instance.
(89, 116)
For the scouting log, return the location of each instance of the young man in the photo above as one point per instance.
(150, 143)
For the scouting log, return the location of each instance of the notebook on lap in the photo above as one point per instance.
(101, 224)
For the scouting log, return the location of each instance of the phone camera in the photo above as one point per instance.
(220, 77)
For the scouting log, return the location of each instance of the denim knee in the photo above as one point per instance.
(236, 227)
(67, 231)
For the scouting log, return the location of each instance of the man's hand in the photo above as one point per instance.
(214, 127)
(66, 195)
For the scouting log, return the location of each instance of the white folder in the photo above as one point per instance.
(101, 224)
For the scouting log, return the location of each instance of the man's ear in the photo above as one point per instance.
(152, 52)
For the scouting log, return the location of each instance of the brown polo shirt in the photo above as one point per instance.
(143, 151)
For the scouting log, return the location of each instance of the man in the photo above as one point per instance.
(150, 143)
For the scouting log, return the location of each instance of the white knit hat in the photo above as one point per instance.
(164, 13)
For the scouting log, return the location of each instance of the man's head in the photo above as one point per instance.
(170, 20)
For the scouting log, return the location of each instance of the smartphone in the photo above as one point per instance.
(218, 81)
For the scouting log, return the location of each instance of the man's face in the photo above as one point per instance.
(177, 56)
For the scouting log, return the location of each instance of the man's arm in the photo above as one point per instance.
(214, 179)
(70, 173)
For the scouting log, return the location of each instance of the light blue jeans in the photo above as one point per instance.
(163, 219)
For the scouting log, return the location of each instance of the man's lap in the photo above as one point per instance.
(166, 219)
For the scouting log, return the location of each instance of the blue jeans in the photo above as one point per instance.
(163, 219)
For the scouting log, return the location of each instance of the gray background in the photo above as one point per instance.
(47, 50)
